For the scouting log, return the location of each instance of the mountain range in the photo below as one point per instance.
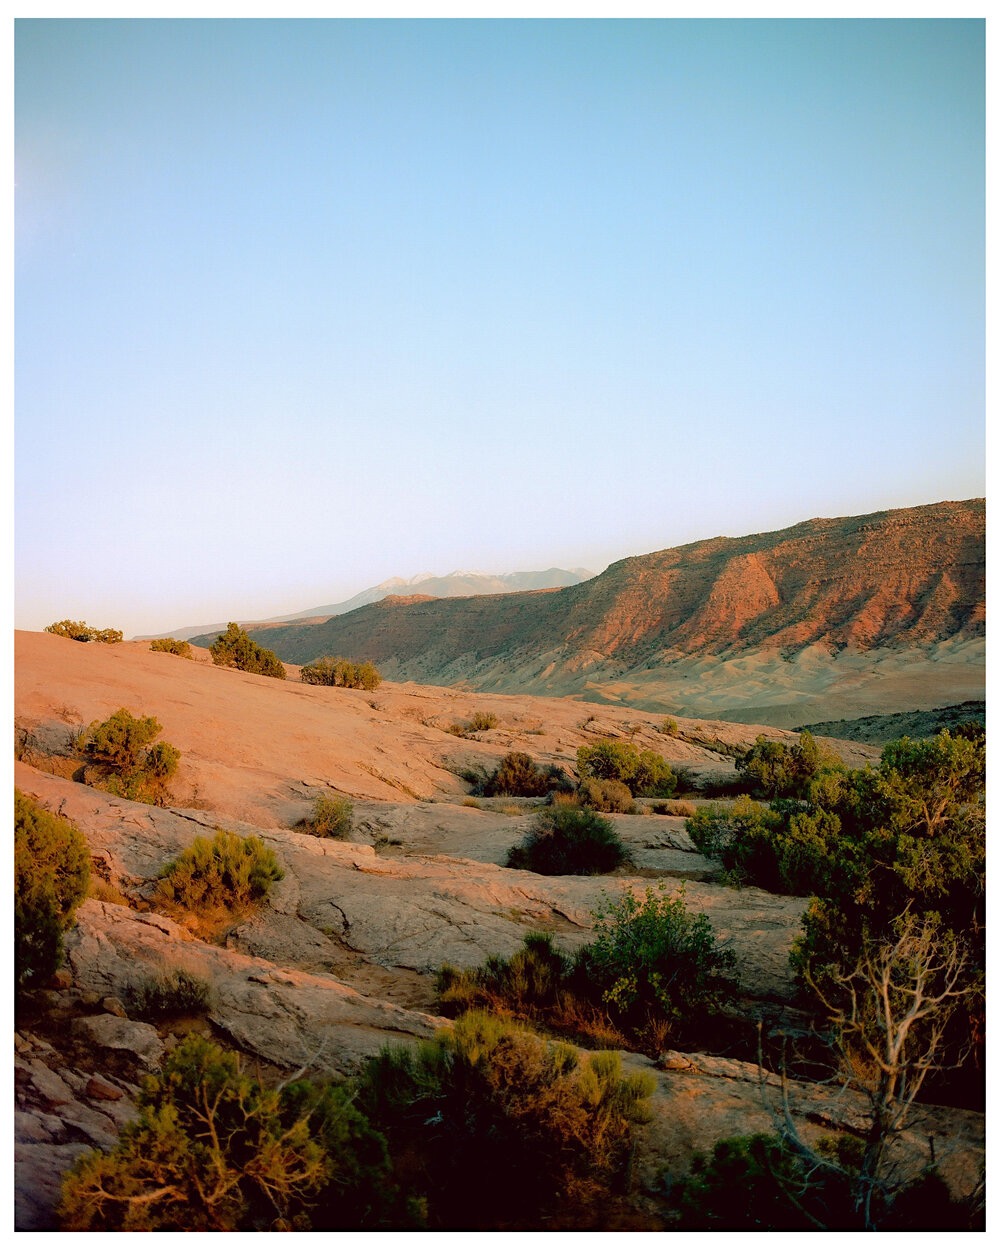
(453, 584)
(890, 605)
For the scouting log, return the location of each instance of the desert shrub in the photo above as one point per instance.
(724, 786)
(882, 851)
(229, 872)
(757, 1184)
(669, 727)
(644, 772)
(606, 796)
(674, 807)
(656, 965)
(760, 1183)
(176, 993)
(51, 871)
(333, 671)
(518, 774)
(236, 649)
(331, 818)
(173, 646)
(498, 1129)
(566, 840)
(531, 982)
(777, 771)
(121, 741)
(782, 847)
(214, 1150)
(535, 984)
(80, 631)
(124, 760)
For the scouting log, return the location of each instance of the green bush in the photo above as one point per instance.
(669, 727)
(80, 631)
(496, 1128)
(658, 967)
(214, 1150)
(124, 760)
(51, 873)
(782, 848)
(518, 774)
(177, 993)
(228, 873)
(481, 721)
(334, 671)
(569, 841)
(236, 649)
(776, 771)
(331, 817)
(606, 796)
(173, 646)
(644, 772)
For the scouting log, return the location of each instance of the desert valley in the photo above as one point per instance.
(859, 631)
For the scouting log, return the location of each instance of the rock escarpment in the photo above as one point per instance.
(909, 581)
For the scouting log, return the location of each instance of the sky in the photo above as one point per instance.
(304, 305)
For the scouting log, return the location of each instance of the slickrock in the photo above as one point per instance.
(342, 957)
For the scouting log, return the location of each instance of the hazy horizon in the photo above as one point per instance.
(305, 305)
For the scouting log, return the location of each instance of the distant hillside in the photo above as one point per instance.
(877, 730)
(888, 582)
(457, 583)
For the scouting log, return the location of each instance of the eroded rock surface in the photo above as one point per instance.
(342, 959)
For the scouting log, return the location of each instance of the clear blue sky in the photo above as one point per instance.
(304, 305)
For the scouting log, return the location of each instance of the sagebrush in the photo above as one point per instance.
(51, 872)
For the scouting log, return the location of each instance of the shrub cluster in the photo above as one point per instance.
(236, 649)
(80, 631)
(759, 1183)
(173, 646)
(644, 772)
(488, 1126)
(568, 840)
(653, 971)
(51, 872)
(229, 873)
(876, 848)
(774, 770)
(123, 759)
(215, 1150)
(333, 671)
(495, 1127)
